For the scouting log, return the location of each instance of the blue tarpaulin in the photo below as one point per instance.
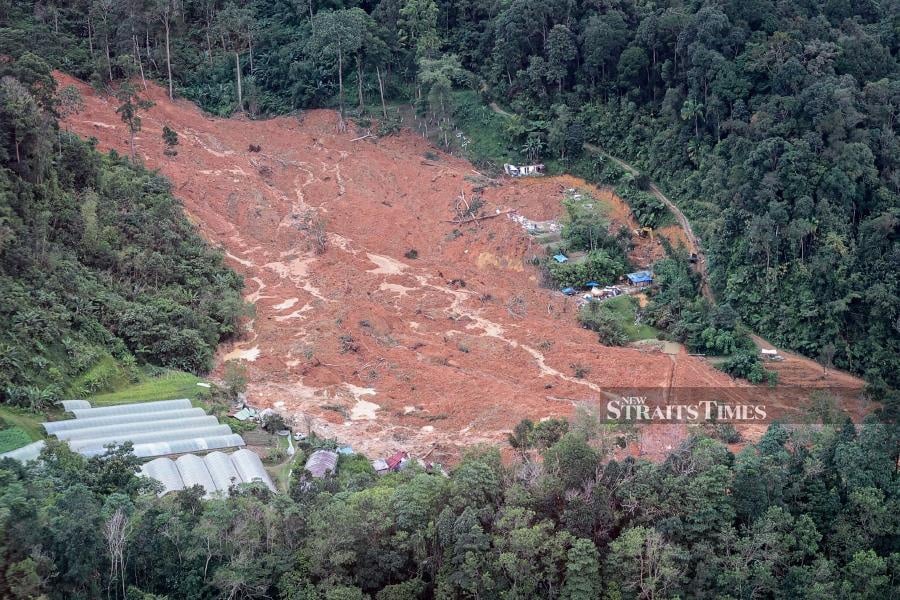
(568, 291)
(591, 284)
(560, 258)
(640, 277)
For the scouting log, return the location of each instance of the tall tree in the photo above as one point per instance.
(129, 110)
(164, 11)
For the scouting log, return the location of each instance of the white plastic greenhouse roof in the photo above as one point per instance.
(165, 435)
(25, 453)
(154, 428)
(71, 405)
(129, 428)
(54, 427)
(152, 449)
(126, 409)
(216, 472)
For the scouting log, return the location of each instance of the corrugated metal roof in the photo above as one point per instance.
(322, 461)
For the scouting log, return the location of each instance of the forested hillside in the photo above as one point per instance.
(808, 514)
(774, 123)
(100, 273)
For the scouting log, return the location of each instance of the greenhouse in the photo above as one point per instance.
(165, 435)
(125, 409)
(161, 448)
(129, 428)
(54, 427)
(216, 472)
(70, 405)
(153, 428)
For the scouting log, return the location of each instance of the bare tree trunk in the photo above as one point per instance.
(168, 58)
(341, 125)
(208, 40)
(359, 86)
(250, 44)
(237, 66)
(137, 53)
(90, 36)
(108, 61)
(381, 91)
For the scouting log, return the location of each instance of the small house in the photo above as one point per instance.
(523, 171)
(770, 354)
(640, 279)
(322, 462)
(396, 460)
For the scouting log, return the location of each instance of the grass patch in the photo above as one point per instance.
(13, 438)
(28, 422)
(167, 386)
(104, 376)
(624, 309)
(487, 141)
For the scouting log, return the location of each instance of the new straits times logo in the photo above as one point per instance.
(638, 409)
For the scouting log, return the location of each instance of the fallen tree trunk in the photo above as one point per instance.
(471, 219)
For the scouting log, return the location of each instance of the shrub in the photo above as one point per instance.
(596, 266)
(609, 331)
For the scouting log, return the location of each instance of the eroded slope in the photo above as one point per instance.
(361, 341)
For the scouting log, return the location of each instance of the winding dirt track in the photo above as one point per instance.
(381, 347)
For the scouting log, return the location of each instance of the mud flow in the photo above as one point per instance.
(378, 320)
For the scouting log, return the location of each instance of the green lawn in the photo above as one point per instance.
(168, 386)
(24, 427)
(623, 308)
(13, 438)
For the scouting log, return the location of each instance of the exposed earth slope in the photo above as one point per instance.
(362, 341)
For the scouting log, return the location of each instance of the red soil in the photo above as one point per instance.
(378, 350)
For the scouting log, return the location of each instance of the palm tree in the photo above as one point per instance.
(691, 109)
(533, 147)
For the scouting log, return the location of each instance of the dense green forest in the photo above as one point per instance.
(100, 272)
(774, 124)
(805, 514)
